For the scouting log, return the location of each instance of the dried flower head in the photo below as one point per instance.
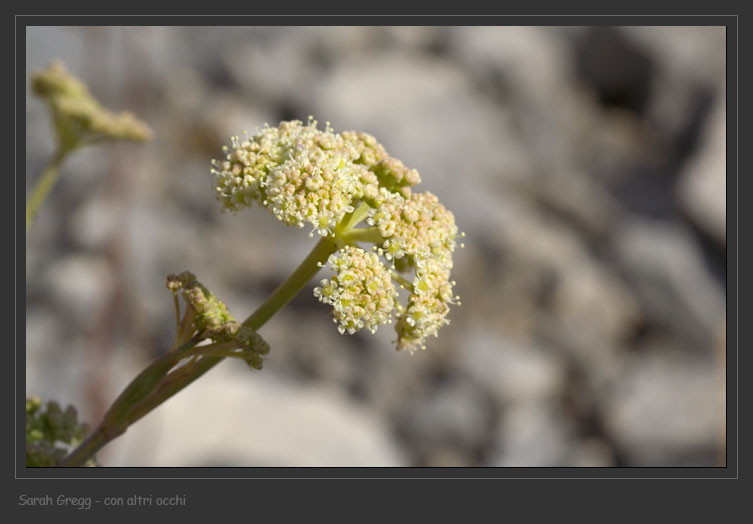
(79, 118)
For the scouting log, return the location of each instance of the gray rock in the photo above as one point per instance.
(703, 187)
(453, 415)
(572, 286)
(415, 38)
(690, 60)
(667, 410)
(92, 223)
(532, 434)
(573, 196)
(513, 370)
(78, 286)
(387, 378)
(696, 52)
(592, 453)
(235, 417)
(273, 63)
(42, 328)
(665, 265)
(533, 61)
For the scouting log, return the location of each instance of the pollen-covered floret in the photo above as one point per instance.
(361, 292)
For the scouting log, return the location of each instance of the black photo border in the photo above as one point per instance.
(220, 481)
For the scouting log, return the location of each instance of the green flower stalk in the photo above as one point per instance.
(79, 120)
(349, 191)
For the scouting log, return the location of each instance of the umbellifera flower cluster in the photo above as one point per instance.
(79, 118)
(334, 182)
(301, 174)
(361, 293)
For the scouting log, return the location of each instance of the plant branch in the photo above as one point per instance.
(115, 421)
(44, 185)
(157, 382)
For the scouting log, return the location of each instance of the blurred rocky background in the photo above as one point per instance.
(586, 166)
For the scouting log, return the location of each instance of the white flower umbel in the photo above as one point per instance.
(335, 182)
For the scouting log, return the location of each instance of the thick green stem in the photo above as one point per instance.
(43, 186)
(171, 385)
(116, 420)
(293, 284)
(133, 403)
(87, 448)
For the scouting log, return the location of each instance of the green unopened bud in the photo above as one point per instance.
(252, 345)
(210, 316)
(210, 313)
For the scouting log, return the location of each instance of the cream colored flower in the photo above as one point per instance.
(361, 292)
(300, 173)
(418, 226)
(428, 305)
(333, 182)
(390, 172)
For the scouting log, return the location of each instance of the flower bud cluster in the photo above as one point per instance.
(79, 117)
(212, 317)
(210, 314)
